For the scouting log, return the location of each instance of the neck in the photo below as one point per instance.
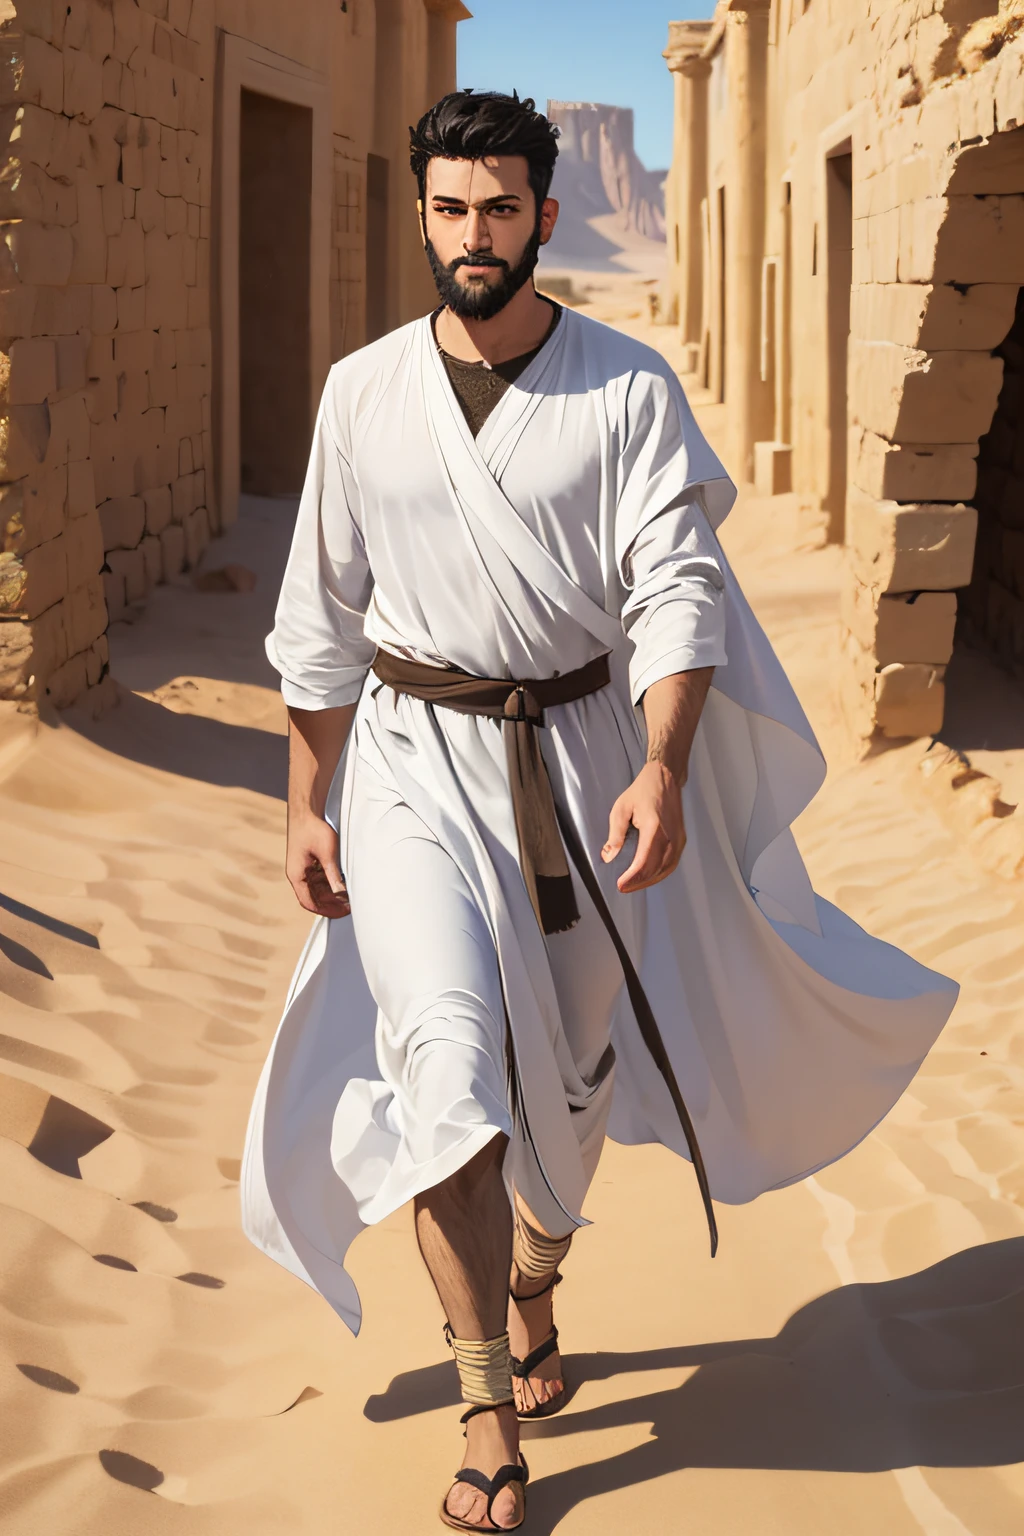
(518, 328)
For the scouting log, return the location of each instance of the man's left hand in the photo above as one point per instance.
(653, 804)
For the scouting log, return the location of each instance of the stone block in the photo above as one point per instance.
(906, 395)
(81, 500)
(158, 508)
(130, 564)
(112, 199)
(996, 166)
(83, 544)
(85, 614)
(890, 312)
(83, 85)
(980, 240)
(909, 700)
(70, 436)
(42, 80)
(68, 682)
(104, 309)
(172, 543)
(113, 71)
(972, 319)
(951, 400)
(72, 374)
(152, 555)
(123, 520)
(913, 472)
(915, 627)
(917, 548)
(49, 643)
(131, 308)
(182, 498)
(41, 255)
(32, 376)
(773, 463)
(89, 264)
(24, 439)
(114, 595)
(149, 209)
(46, 577)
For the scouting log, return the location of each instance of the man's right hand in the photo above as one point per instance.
(312, 867)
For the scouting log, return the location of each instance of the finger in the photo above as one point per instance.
(327, 902)
(619, 822)
(649, 853)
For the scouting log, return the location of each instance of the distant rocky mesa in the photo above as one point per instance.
(598, 173)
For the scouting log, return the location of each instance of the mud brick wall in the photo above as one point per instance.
(104, 322)
(992, 611)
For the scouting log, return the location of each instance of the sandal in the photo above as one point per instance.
(484, 1372)
(490, 1487)
(523, 1369)
(536, 1255)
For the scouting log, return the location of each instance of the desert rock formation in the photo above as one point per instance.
(608, 200)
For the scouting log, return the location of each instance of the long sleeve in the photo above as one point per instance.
(675, 610)
(318, 642)
(668, 556)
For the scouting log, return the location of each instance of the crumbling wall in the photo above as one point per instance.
(104, 323)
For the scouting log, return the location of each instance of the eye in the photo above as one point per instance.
(446, 210)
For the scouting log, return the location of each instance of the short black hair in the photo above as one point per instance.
(466, 126)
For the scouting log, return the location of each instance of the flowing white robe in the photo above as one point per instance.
(579, 522)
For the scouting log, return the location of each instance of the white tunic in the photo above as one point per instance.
(579, 522)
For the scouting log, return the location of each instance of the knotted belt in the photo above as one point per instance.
(543, 835)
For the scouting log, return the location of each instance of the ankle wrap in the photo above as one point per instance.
(485, 1369)
(535, 1255)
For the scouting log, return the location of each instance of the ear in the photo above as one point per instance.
(423, 221)
(548, 219)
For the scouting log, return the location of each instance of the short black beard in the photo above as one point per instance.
(481, 301)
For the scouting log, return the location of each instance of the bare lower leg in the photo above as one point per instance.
(530, 1321)
(464, 1229)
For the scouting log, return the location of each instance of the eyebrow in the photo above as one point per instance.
(486, 202)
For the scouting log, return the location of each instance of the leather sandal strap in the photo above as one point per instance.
(471, 1413)
(490, 1487)
(556, 1279)
(524, 1368)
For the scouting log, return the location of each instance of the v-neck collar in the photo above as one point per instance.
(521, 386)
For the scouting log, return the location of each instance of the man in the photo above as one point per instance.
(506, 596)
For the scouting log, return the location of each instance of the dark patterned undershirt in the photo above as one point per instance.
(479, 386)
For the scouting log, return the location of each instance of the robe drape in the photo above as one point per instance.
(581, 521)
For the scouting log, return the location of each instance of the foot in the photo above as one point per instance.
(492, 1441)
(530, 1321)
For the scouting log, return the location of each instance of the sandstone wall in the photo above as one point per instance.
(900, 122)
(108, 329)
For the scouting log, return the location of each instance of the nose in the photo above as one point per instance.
(477, 236)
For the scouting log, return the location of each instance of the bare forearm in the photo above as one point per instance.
(315, 741)
(316, 738)
(672, 708)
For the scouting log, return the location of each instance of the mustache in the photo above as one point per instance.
(478, 259)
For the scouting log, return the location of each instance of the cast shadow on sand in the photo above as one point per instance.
(923, 1371)
(192, 746)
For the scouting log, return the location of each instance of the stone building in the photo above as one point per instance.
(203, 203)
(845, 222)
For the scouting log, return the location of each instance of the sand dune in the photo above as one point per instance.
(851, 1363)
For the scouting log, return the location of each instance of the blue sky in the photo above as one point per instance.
(580, 50)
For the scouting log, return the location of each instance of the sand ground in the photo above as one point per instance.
(853, 1361)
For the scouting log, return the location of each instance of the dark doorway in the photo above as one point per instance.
(839, 209)
(991, 610)
(376, 246)
(275, 200)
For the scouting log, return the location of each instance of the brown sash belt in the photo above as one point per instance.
(520, 708)
(543, 835)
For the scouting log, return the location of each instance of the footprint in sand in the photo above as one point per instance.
(112, 1260)
(208, 1282)
(125, 1468)
(51, 1379)
(158, 1212)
